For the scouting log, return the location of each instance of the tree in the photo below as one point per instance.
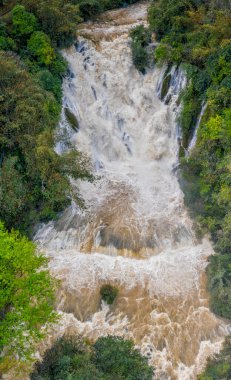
(58, 19)
(108, 359)
(119, 359)
(88, 8)
(34, 179)
(40, 46)
(26, 296)
(24, 23)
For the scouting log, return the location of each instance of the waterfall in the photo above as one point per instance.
(171, 83)
(194, 138)
(135, 232)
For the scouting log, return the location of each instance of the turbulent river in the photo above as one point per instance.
(135, 232)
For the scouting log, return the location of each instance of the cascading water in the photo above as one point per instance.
(194, 137)
(135, 232)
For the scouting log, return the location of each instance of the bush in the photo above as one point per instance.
(219, 283)
(89, 8)
(24, 23)
(51, 83)
(108, 293)
(40, 46)
(141, 37)
(118, 357)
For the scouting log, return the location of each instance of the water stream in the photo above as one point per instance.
(194, 137)
(135, 232)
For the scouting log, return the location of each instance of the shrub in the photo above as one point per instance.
(89, 8)
(219, 282)
(40, 46)
(108, 293)
(118, 357)
(141, 37)
(51, 83)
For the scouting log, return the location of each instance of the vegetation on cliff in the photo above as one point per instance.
(197, 34)
(219, 368)
(141, 37)
(34, 179)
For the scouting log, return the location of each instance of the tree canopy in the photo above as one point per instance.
(34, 179)
(26, 297)
(108, 358)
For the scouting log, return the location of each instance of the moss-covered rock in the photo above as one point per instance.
(165, 86)
(71, 118)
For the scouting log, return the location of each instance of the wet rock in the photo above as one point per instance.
(94, 92)
(71, 118)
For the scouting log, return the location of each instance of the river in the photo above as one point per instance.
(135, 232)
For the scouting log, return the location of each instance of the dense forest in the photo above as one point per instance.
(35, 180)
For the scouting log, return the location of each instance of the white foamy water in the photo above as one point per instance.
(135, 232)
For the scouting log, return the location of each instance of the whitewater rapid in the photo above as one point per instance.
(135, 232)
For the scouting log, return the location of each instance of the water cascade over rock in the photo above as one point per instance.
(135, 232)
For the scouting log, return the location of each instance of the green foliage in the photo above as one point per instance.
(7, 43)
(207, 176)
(34, 179)
(24, 23)
(26, 296)
(220, 367)
(108, 293)
(50, 82)
(191, 108)
(58, 19)
(109, 358)
(219, 278)
(40, 46)
(119, 359)
(141, 37)
(167, 17)
(89, 8)
(198, 34)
